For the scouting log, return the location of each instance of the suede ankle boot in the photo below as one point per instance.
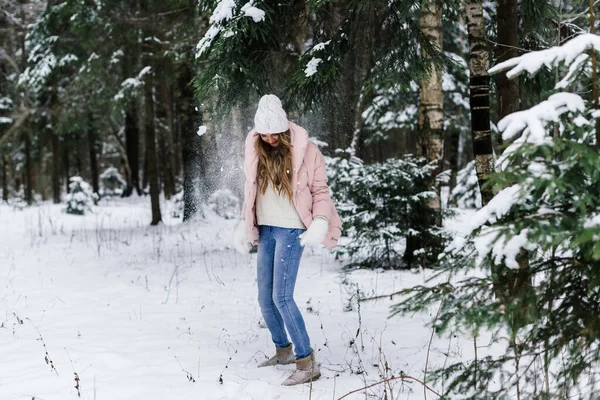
(282, 356)
(307, 370)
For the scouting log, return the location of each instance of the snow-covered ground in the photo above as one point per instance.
(170, 312)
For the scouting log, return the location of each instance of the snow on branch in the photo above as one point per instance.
(552, 57)
(532, 123)
(225, 11)
(537, 117)
(130, 84)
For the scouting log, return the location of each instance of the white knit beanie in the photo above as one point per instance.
(270, 116)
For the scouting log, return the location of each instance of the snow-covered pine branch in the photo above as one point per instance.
(532, 123)
(224, 12)
(534, 61)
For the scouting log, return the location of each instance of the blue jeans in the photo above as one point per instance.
(279, 254)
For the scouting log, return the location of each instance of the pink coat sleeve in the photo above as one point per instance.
(319, 189)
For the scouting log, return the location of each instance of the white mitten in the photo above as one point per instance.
(240, 238)
(316, 232)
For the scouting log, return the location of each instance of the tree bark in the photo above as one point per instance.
(149, 123)
(431, 104)
(66, 163)
(5, 178)
(165, 138)
(55, 145)
(91, 130)
(480, 97)
(175, 123)
(55, 168)
(594, 71)
(507, 48)
(191, 146)
(365, 96)
(151, 156)
(430, 141)
(132, 131)
(28, 165)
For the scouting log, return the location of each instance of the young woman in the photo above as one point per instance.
(286, 207)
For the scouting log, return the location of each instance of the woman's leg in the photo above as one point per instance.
(288, 252)
(265, 257)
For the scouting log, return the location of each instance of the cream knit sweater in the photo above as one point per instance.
(276, 209)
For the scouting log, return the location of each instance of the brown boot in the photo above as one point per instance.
(282, 356)
(307, 370)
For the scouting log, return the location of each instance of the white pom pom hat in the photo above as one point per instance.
(270, 116)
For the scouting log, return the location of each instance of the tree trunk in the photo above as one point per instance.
(594, 71)
(132, 147)
(349, 92)
(431, 105)
(55, 145)
(507, 48)
(66, 163)
(28, 165)
(430, 121)
(365, 96)
(132, 131)
(93, 156)
(4, 178)
(4, 89)
(480, 98)
(149, 123)
(41, 167)
(145, 173)
(451, 157)
(55, 168)
(151, 156)
(165, 138)
(191, 145)
(176, 124)
(26, 125)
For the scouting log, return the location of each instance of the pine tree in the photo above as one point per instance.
(549, 206)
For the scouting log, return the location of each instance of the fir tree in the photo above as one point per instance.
(549, 208)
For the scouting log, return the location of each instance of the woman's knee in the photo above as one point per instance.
(265, 300)
(282, 301)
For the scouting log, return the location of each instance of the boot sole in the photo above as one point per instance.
(314, 378)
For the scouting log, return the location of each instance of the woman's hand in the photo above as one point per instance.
(316, 232)
(240, 238)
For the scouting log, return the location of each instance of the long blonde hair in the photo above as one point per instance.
(275, 165)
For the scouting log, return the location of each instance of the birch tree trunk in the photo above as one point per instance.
(430, 141)
(431, 104)
(480, 97)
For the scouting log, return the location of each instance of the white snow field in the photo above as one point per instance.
(170, 312)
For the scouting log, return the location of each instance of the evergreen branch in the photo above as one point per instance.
(532, 62)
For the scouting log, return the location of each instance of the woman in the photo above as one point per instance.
(286, 207)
